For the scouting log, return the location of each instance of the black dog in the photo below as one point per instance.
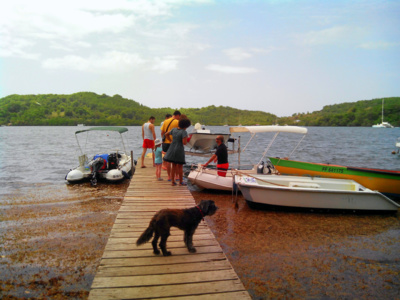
(185, 219)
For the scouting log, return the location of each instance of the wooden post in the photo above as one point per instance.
(132, 164)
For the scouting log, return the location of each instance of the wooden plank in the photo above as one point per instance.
(168, 290)
(129, 226)
(132, 240)
(171, 245)
(121, 233)
(146, 253)
(106, 271)
(162, 260)
(153, 207)
(136, 234)
(166, 279)
(219, 296)
(137, 229)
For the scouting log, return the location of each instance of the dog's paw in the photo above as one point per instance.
(167, 253)
(192, 250)
(156, 252)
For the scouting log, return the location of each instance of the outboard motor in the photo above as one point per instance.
(113, 159)
(260, 168)
(96, 165)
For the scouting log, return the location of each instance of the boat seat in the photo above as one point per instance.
(304, 185)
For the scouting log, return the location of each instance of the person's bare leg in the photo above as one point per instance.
(142, 157)
(168, 170)
(173, 172)
(180, 173)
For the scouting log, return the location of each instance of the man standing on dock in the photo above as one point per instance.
(172, 122)
(148, 135)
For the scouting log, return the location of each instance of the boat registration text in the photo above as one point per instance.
(333, 170)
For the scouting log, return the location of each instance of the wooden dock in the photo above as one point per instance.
(130, 272)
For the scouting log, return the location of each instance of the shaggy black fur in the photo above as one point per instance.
(185, 219)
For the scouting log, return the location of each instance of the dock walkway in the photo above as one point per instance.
(130, 272)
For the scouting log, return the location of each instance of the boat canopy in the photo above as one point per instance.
(253, 130)
(105, 128)
(101, 128)
(271, 128)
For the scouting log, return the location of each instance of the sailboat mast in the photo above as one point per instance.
(382, 109)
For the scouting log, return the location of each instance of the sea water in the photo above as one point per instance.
(35, 156)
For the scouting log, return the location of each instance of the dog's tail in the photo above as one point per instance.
(146, 235)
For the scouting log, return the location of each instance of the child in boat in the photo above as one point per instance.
(158, 158)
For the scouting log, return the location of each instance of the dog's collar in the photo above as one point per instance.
(202, 215)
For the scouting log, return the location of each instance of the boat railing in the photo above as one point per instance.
(232, 167)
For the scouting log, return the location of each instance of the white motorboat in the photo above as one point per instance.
(112, 166)
(203, 140)
(314, 193)
(208, 178)
(383, 124)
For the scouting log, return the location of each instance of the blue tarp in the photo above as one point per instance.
(103, 156)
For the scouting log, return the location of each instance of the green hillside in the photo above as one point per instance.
(360, 113)
(92, 109)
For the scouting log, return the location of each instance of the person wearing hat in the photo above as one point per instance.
(158, 160)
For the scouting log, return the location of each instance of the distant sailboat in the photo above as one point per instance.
(383, 124)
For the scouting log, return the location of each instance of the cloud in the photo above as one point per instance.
(230, 69)
(336, 35)
(17, 47)
(237, 53)
(378, 45)
(165, 64)
(49, 28)
(110, 61)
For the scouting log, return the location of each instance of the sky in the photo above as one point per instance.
(281, 57)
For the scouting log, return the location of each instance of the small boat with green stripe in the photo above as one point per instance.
(384, 181)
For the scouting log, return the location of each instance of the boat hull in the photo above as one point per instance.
(384, 181)
(81, 173)
(209, 179)
(300, 193)
(204, 142)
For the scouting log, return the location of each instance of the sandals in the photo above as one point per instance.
(183, 183)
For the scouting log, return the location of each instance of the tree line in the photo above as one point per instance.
(94, 110)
